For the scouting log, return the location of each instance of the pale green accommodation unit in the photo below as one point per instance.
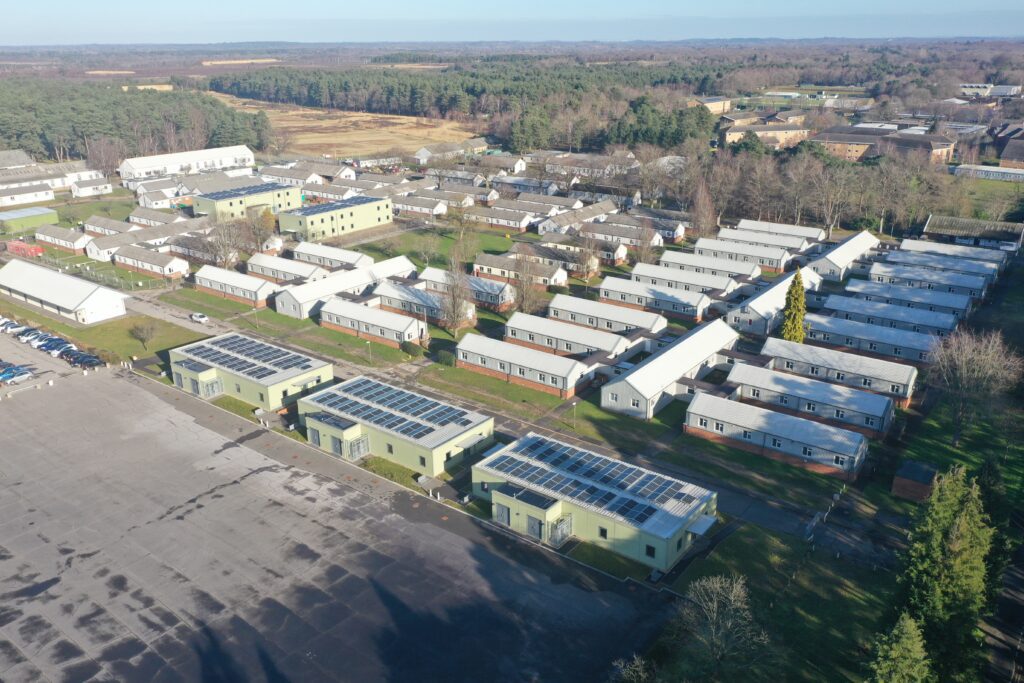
(263, 375)
(362, 416)
(550, 491)
(230, 205)
(320, 221)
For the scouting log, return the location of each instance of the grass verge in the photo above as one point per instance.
(391, 471)
(609, 562)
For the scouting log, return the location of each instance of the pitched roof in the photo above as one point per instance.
(235, 279)
(61, 290)
(789, 427)
(144, 255)
(541, 361)
(534, 198)
(154, 215)
(513, 264)
(599, 309)
(755, 250)
(770, 239)
(693, 261)
(14, 157)
(810, 389)
(884, 311)
(689, 277)
(333, 253)
(111, 224)
(851, 249)
(587, 336)
(62, 234)
(958, 250)
(772, 300)
(913, 273)
(953, 226)
(621, 285)
(285, 265)
(374, 316)
(887, 335)
(920, 295)
(1014, 150)
(854, 363)
(345, 280)
(28, 189)
(807, 232)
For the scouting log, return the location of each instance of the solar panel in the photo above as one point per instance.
(366, 412)
(315, 209)
(418, 406)
(245, 191)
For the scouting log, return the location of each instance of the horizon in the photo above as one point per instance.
(64, 23)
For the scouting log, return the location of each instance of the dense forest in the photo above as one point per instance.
(62, 120)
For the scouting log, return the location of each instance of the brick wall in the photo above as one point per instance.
(520, 381)
(360, 334)
(231, 297)
(866, 431)
(667, 314)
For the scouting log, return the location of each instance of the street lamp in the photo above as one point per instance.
(369, 350)
(574, 415)
(255, 317)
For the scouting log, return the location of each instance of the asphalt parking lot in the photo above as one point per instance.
(139, 544)
(41, 364)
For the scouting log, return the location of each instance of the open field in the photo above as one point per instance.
(992, 197)
(228, 62)
(338, 133)
(110, 72)
(158, 87)
(821, 612)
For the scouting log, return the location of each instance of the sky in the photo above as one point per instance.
(207, 21)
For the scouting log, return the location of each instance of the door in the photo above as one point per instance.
(501, 514)
(336, 446)
(534, 528)
(314, 436)
(195, 386)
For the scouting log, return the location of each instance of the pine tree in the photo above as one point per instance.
(796, 307)
(900, 655)
(944, 583)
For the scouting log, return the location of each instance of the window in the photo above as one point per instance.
(755, 393)
(465, 356)
(719, 427)
(522, 372)
(679, 543)
(391, 449)
(542, 378)
(747, 434)
(839, 460)
(840, 376)
(784, 400)
(806, 450)
(776, 443)
(897, 351)
(872, 346)
(501, 366)
(261, 397)
(810, 407)
(840, 414)
(238, 389)
(650, 551)
(815, 370)
(602, 532)
(702, 422)
(423, 461)
(635, 402)
(869, 421)
(614, 397)
(789, 365)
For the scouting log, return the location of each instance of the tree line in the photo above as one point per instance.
(63, 120)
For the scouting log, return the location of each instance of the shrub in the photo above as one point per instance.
(411, 348)
(446, 358)
(558, 289)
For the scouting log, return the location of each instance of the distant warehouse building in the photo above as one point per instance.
(975, 232)
(896, 380)
(550, 491)
(321, 221)
(361, 417)
(236, 204)
(230, 284)
(260, 374)
(71, 297)
(913, 347)
(179, 163)
(818, 447)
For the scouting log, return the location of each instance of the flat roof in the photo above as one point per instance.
(246, 191)
(865, 366)
(654, 503)
(315, 209)
(918, 295)
(933, 260)
(977, 253)
(975, 227)
(810, 389)
(410, 416)
(911, 316)
(374, 316)
(259, 361)
(887, 335)
(798, 429)
(939, 277)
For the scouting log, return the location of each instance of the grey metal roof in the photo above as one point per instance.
(939, 277)
(917, 295)
(954, 226)
(887, 335)
(884, 311)
(757, 251)
(685, 259)
(808, 389)
(28, 189)
(976, 253)
(599, 309)
(798, 429)
(61, 290)
(770, 239)
(15, 157)
(865, 366)
(621, 285)
(541, 361)
(558, 329)
(942, 262)
(688, 277)
(772, 300)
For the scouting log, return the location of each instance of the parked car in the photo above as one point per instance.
(57, 350)
(15, 328)
(200, 318)
(11, 372)
(28, 334)
(18, 378)
(42, 339)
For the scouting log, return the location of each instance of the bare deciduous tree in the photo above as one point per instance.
(972, 369)
(430, 246)
(225, 242)
(587, 257)
(260, 226)
(529, 294)
(645, 251)
(703, 218)
(456, 298)
(105, 153)
(143, 333)
(717, 626)
(632, 670)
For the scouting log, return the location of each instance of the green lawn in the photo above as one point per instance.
(346, 347)
(117, 206)
(478, 508)
(621, 431)
(752, 472)
(494, 393)
(201, 302)
(988, 197)
(391, 471)
(609, 562)
(233, 405)
(113, 336)
(823, 619)
(415, 245)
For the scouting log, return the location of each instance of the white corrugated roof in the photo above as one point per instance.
(690, 277)
(912, 316)
(887, 335)
(38, 282)
(541, 361)
(373, 316)
(587, 336)
(599, 309)
(939, 277)
(912, 294)
(772, 300)
(195, 156)
(786, 426)
(333, 253)
(686, 259)
(865, 366)
(772, 253)
(816, 234)
(346, 280)
(851, 249)
(976, 253)
(653, 375)
(285, 265)
(618, 284)
(810, 389)
(771, 239)
(233, 278)
(479, 284)
(944, 262)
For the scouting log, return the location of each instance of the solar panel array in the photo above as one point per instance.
(245, 191)
(421, 407)
(565, 470)
(315, 209)
(364, 412)
(249, 357)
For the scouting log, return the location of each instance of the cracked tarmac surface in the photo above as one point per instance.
(139, 544)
